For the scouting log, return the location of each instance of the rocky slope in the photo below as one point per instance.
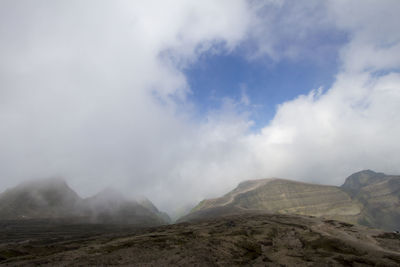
(284, 197)
(380, 196)
(54, 199)
(366, 198)
(250, 240)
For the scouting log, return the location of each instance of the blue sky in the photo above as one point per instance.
(267, 83)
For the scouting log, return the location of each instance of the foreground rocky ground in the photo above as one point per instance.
(246, 239)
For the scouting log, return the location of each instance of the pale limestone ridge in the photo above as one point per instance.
(367, 197)
(230, 197)
(275, 195)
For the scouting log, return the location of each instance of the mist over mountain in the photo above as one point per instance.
(43, 198)
(53, 199)
(181, 100)
(366, 197)
(190, 103)
(261, 222)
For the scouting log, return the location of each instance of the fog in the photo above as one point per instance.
(96, 92)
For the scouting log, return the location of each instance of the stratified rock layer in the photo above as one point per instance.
(285, 197)
(366, 198)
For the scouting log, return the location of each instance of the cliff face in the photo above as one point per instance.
(366, 198)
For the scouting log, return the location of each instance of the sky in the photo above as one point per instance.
(181, 100)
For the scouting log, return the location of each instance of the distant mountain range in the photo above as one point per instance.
(366, 198)
(54, 199)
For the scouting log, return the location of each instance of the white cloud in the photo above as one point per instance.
(88, 87)
(375, 42)
(353, 125)
(88, 91)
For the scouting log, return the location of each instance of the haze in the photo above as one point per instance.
(98, 92)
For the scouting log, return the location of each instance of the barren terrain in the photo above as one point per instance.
(246, 239)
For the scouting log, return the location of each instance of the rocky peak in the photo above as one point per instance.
(360, 179)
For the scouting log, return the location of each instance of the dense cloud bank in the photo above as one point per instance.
(95, 91)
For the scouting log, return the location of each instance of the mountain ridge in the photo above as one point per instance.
(366, 197)
(52, 198)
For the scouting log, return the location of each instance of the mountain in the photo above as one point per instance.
(109, 206)
(40, 198)
(284, 197)
(366, 198)
(54, 199)
(380, 195)
(355, 182)
(150, 206)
